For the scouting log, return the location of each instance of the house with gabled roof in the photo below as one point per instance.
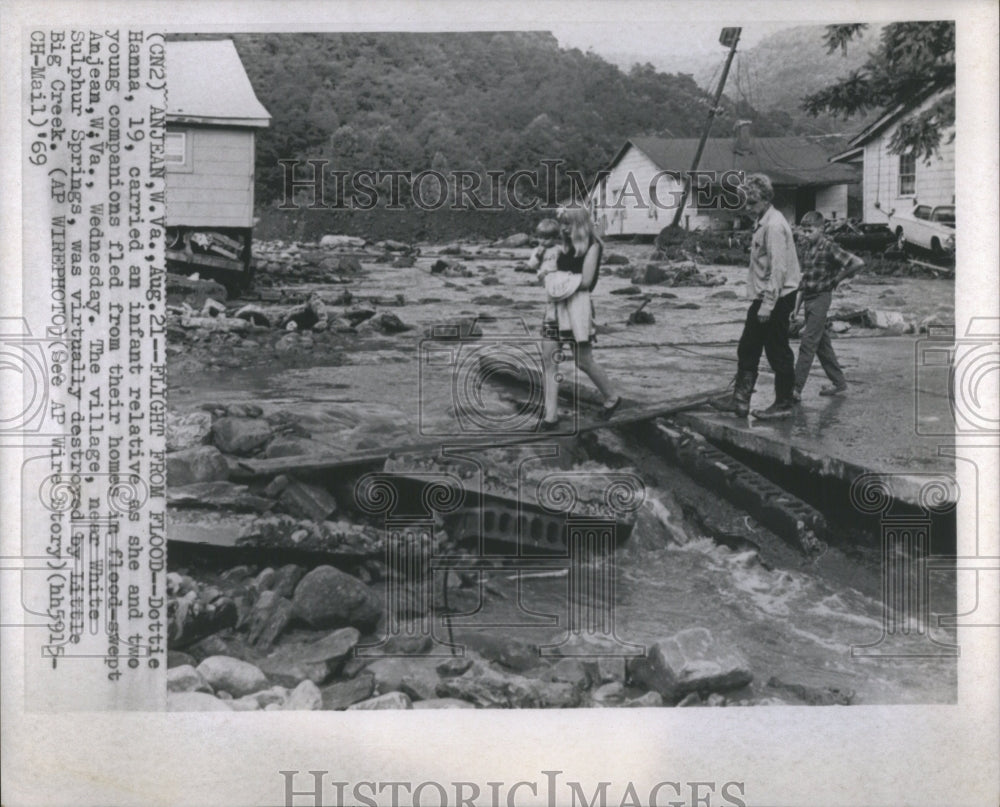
(212, 118)
(899, 181)
(635, 193)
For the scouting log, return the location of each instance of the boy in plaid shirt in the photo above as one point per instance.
(824, 265)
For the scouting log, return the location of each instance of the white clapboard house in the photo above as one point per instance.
(212, 117)
(799, 167)
(899, 181)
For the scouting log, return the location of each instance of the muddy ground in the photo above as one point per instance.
(257, 631)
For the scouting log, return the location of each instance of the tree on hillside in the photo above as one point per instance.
(914, 61)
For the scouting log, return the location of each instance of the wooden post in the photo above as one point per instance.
(731, 37)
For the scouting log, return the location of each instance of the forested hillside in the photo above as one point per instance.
(470, 101)
(779, 71)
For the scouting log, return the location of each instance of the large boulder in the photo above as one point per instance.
(196, 464)
(329, 598)
(185, 431)
(236, 677)
(690, 661)
(240, 436)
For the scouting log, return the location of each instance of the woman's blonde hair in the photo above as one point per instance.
(581, 231)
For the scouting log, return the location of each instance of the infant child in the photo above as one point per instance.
(559, 284)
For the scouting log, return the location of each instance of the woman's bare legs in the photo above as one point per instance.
(586, 362)
(550, 371)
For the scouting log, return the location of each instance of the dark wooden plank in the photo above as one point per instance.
(311, 464)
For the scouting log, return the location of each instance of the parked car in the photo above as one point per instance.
(928, 227)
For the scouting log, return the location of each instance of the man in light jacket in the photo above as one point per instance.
(772, 281)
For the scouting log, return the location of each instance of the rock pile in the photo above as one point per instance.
(321, 669)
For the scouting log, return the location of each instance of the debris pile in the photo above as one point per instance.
(676, 273)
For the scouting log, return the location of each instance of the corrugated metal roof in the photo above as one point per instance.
(795, 161)
(206, 83)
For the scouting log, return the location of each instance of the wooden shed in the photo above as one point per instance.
(212, 117)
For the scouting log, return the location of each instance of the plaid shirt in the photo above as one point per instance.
(821, 263)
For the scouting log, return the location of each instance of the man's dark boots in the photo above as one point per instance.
(784, 402)
(739, 402)
(776, 411)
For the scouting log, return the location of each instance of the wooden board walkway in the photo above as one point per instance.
(629, 413)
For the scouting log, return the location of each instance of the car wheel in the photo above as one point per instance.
(936, 247)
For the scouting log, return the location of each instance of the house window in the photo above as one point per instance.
(175, 150)
(907, 174)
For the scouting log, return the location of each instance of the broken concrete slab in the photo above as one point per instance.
(217, 494)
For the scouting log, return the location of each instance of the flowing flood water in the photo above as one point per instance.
(795, 622)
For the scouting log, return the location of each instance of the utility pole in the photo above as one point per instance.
(730, 37)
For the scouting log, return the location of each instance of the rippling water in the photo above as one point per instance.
(790, 624)
(797, 625)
